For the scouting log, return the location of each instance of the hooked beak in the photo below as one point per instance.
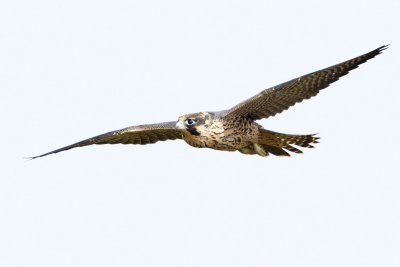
(179, 125)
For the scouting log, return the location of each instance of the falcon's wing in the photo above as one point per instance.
(279, 98)
(142, 134)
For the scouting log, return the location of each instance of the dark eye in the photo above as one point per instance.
(190, 121)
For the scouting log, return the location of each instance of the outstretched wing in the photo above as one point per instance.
(142, 135)
(279, 98)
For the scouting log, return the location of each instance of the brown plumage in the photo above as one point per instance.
(235, 129)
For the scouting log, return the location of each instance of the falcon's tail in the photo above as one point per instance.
(277, 143)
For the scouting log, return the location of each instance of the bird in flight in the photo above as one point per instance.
(235, 129)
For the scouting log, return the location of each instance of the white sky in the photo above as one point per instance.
(70, 70)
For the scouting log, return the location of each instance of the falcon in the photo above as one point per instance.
(235, 129)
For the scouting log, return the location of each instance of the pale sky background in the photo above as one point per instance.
(70, 70)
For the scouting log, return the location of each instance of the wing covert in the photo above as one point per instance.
(279, 98)
(141, 134)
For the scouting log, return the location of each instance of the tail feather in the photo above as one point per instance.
(293, 149)
(277, 143)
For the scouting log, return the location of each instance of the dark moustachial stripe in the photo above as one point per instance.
(192, 130)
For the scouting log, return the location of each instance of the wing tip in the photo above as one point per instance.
(59, 150)
(35, 157)
(380, 49)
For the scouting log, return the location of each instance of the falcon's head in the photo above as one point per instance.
(194, 123)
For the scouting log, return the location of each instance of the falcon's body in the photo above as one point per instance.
(235, 129)
(217, 131)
